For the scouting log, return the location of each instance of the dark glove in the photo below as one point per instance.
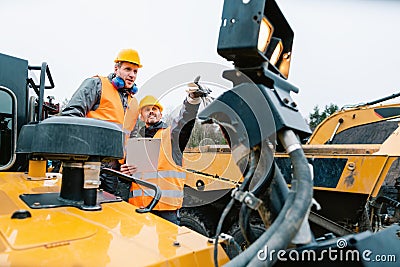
(196, 91)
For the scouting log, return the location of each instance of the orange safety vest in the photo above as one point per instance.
(169, 177)
(111, 109)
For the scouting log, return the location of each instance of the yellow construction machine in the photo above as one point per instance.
(355, 161)
(65, 220)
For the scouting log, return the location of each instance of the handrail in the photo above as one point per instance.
(128, 178)
(44, 70)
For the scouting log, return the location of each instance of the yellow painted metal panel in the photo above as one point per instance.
(361, 174)
(210, 183)
(50, 228)
(214, 163)
(115, 236)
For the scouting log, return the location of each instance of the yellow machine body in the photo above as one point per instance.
(114, 236)
(352, 117)
(350, 174)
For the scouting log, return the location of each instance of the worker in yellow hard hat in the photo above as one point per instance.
(169, 176)
(110, 98)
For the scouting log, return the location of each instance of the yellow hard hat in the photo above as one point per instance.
(128, 55)
(150, 100)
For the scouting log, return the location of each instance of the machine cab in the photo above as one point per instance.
(8, 127)
(21, 102)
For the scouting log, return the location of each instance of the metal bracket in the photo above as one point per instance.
(248, 198)
(53, 200)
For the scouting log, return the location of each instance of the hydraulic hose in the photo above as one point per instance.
(246, 256)
(219, 228)
(262, 179)
(378, 205)
(297, 213)
(293, 211)
(244, 223)
(279, 191)
(246, 179)
(277, 197)
(244, 213)
(388, 200)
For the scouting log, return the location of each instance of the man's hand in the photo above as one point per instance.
(193, 90)
(196, 91)
(128, 169)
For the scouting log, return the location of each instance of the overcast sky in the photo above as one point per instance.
(344, 52)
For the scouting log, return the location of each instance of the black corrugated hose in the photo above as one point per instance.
(290, 218)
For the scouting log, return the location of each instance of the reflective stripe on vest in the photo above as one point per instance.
(160, 174)
(149, 192)
(168, 177)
